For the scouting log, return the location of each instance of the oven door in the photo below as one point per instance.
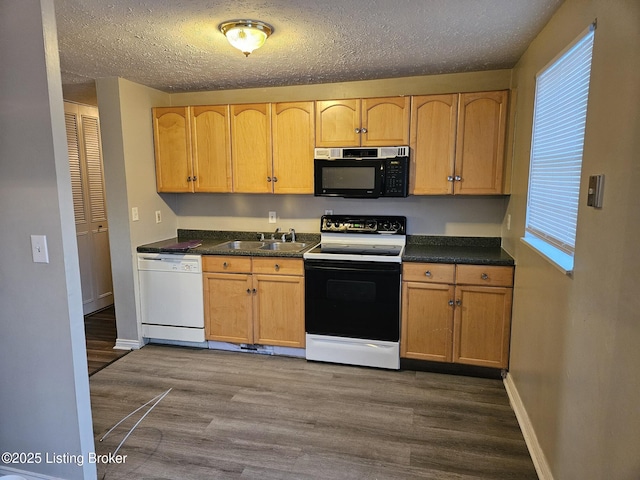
(353, 299)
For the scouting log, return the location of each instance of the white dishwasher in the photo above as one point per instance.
(171, 296)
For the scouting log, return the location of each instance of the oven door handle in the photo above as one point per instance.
(347, 266)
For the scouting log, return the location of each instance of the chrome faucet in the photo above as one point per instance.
(292, 232)
(273, 235)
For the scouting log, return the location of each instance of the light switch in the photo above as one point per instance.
(596, 190)
(39, 249)
(134, 214)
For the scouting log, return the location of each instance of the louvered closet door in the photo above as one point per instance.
(85, 164)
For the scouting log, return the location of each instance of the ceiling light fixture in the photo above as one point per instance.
(246, 35)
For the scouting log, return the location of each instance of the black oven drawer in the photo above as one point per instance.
(353, 299)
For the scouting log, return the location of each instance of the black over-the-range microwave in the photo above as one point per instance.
(361, 172)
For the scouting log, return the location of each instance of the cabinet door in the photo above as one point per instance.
(338, 123)
(172, 149)
(293, 142)
(482, 326)
(251, 148)
(385, 121)
(433, 144)
(279, 310)
(427, 321)
(481, 142)
(211, 148)
(228, 307)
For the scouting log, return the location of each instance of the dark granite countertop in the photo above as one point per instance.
(211, 238)
(469, 250)
(420, 248)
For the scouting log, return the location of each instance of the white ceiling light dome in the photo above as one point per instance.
(246, 35)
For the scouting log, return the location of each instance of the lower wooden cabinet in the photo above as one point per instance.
(457, 313)
(254, 300)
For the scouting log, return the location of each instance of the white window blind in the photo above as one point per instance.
(562, 90)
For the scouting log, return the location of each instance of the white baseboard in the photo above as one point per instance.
(528, 432)
(126, 344)
(26, 475)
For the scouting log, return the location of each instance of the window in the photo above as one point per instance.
(559, 117)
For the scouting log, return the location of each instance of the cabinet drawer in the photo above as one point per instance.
(428, 272)
(226, 264)
(494, 276)
(278, 265)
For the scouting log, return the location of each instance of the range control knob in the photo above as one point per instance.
(371, 225)
(395, 226)
(386, 226)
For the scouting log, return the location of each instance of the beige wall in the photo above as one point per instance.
(44, 387)
(575, 341)
(129, 172)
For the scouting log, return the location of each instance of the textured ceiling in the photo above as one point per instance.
(175, 46)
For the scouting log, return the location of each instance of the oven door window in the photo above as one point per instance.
(353, 299)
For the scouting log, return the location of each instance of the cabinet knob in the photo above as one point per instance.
(254, 291)
(458, 302)
(268, 179)
(363, 130)
(428, 273)
(225, 265)
(449, 178)
(248, 290)
(275, 179)
(484, 276)
(188, 179)
(195, 178)
(451, 303)
(457, 178)
(357, 130)
(277, 267)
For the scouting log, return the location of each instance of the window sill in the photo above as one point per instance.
(562, 261)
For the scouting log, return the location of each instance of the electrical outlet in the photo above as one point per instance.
(158, 216)
(272, 217)
(134, 214)
(328, 212)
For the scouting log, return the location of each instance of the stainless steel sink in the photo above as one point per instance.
(273, 245)
(240, 245)
(284, 246)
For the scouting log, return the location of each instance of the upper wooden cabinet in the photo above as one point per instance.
(228, 148)
(251, 148)
(192, 149)
(363, 122)
(293, 142)
(211, 143)
(172, 141)
(433, 144)
(458, 143)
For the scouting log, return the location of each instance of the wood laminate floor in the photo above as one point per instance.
(244, 416)
(100, 334)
